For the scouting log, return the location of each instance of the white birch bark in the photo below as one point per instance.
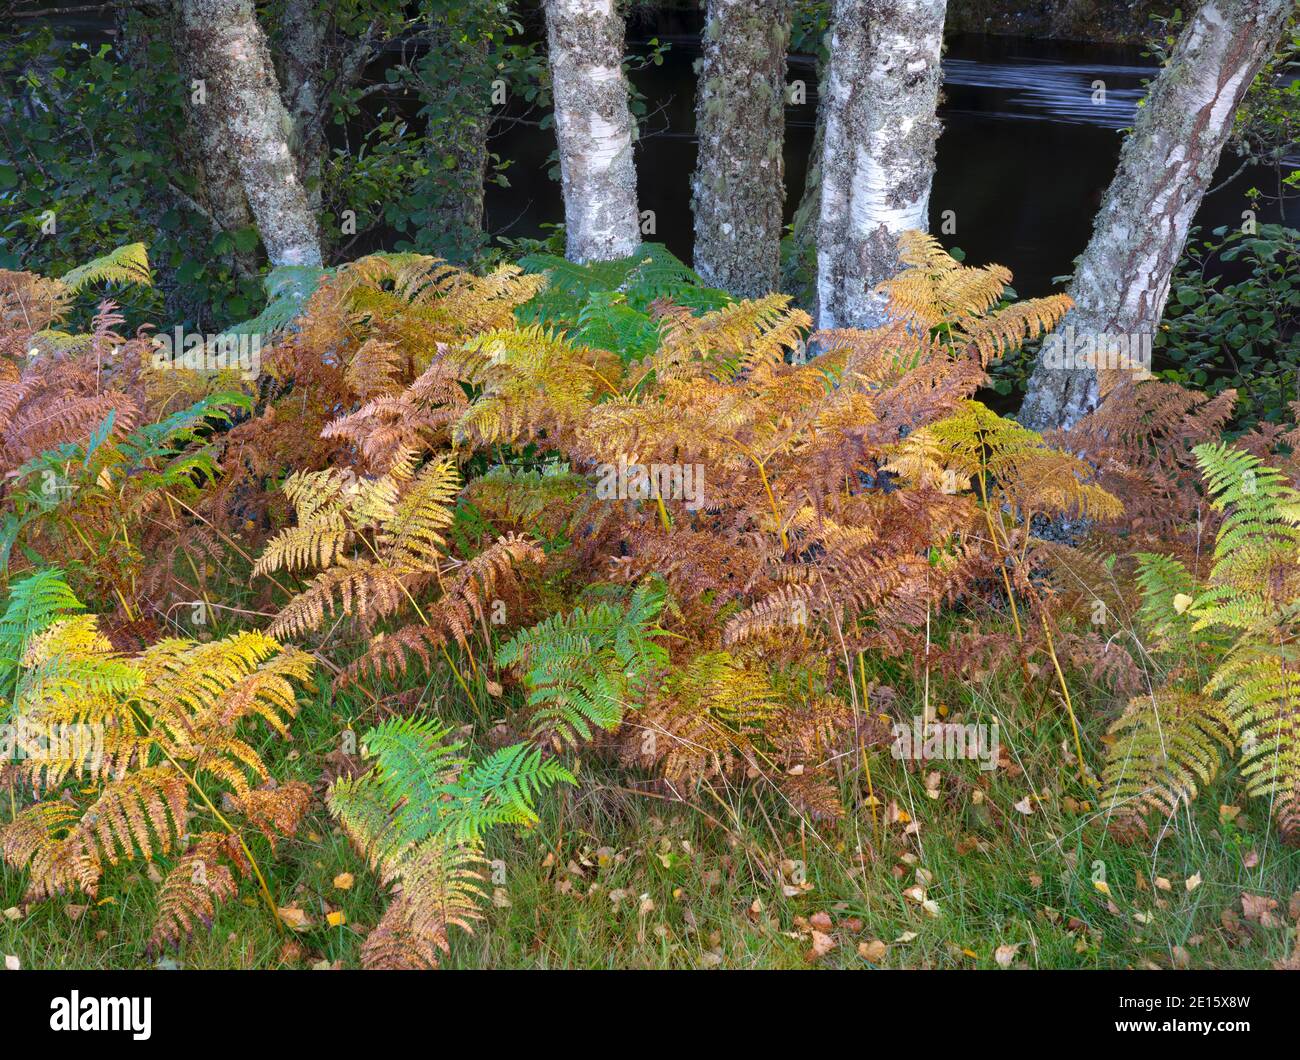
(739, 186)
(1122, 280)
(228, 51)
(882, 88)
(594, 129)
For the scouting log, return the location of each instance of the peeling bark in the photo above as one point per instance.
(882, 88)
(739, 187)
(1122, 281)
(594, 129)
(227, 49)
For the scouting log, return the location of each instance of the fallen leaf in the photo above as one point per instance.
(1005, 955)
(1192, 882)
(336, 919)
(1259, 909)
(822, 923)
(1025, 805)
(12, 963)
(343, 881)
(294, 917)
(822, 944)
(874, 951)
(1182, 602)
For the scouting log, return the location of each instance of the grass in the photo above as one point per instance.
(613, 877)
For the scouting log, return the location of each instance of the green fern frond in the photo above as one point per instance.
(126, 264)
(583, 669)
(1165, 748)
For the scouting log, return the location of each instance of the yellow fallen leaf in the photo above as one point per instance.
(344, 881)
(873, 951)
(1182, 602)
(1193, 882)
(337, 919)
(294, 917)
(1102, 886)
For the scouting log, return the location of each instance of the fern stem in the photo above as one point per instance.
(230, 828)
(1006, 553)
(456, 673)
(1065, 691)
(767, 486)
(663, 513)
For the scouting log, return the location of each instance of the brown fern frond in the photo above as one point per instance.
(189, 894)
(441, 887)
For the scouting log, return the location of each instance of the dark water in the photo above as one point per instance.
(1023, 162)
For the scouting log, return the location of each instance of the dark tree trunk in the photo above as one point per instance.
(740, 179)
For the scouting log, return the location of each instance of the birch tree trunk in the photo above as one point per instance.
(882, 89)
(1122, 280)
(456, 87)
(228, 51)
(219, 189)
(304, 59)
(594, 128)
(739, 187)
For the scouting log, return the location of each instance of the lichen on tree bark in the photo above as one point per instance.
(739, 185)
(228, 52)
